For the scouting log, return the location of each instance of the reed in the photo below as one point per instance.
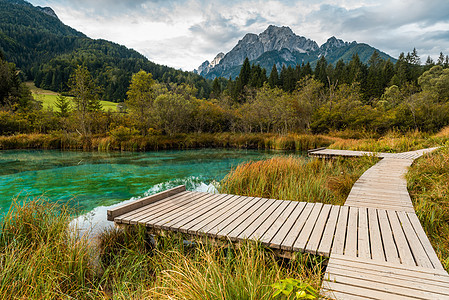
(428, 183)
(43, 257)
(299, 179)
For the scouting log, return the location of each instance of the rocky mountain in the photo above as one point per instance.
(281, 46)
(47, 51)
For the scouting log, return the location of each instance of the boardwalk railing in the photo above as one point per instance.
(376, 245)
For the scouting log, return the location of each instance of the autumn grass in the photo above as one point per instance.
(394, 142)
(74, 141)
(297, 178)
(428, 183)
(42, 256)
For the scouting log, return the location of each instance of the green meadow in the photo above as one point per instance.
(48, 98)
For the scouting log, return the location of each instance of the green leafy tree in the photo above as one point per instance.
(86, 96)
(141, 95)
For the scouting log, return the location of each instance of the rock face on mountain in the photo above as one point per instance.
(281, 46)
(47, 10)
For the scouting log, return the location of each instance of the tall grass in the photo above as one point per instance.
(73, 141)
(428, 183)
(300, 179)
(43, 257)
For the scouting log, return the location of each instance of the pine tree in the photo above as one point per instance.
(63, 104)
(216, 89)
(273, 79)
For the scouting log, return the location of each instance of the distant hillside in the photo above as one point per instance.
(281, 46)
(47, 51)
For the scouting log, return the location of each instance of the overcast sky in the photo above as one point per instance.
(184, 33)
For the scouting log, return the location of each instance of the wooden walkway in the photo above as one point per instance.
(376, 245)
(402, 263)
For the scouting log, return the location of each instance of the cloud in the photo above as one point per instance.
(184, 33)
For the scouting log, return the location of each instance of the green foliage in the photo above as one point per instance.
(289, 286)
(47, 51)
(63, 105)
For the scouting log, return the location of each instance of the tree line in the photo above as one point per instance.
(353, 96)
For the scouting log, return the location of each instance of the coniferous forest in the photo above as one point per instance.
(375, 97)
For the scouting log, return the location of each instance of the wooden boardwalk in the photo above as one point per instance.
(376, 245)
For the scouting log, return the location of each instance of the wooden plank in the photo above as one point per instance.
(303, 237)
(418, 250)
(285, 230)
(289, 240)
(318, 230)
(391, 252)
(328, 294)
(140, 210)
(213, 215)
(363, 234)
(328, 235)
(377, 284)
(172, 203)
(390, 267)
(365, 292)
(221, 201)
(239, 220)
(249, 202)
(173, 209)
(340, 232)
(401, 242)
(249, 222)
(382, 277)
(249, 231)
(411, 276)
(214, 227)
(266, 224)
(277, 224)
(351, 234)
(377, 250)
(184, 216)
(425, 241)
(117, 211)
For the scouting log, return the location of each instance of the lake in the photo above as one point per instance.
(92, 182)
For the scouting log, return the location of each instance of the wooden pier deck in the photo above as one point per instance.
(376, 245)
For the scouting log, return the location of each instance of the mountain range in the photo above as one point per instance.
(47, 51)
(281, 46)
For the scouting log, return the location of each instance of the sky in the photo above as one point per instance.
(185, 33)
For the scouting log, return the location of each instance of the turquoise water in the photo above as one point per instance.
(89, 180)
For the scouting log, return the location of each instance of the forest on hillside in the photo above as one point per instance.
(376, 98)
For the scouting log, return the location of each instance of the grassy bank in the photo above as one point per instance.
(70, 141)
(42, 257)
(299, 179)
(428, 183)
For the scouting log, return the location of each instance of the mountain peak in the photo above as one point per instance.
(279, 45)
